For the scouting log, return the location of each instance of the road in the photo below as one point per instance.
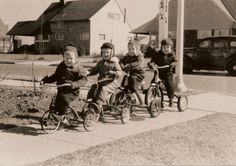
(201, 81)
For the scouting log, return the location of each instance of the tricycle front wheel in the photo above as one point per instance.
(182, 103)
(91, 116)
(155, 107)
(49, 123)
(125, 114)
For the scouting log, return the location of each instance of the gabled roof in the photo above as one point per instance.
(51, 11)
(147, 28)
(207, 14)
(3, 28)
(230, 6)
(80, 10)
(23, 28)
(27, 28)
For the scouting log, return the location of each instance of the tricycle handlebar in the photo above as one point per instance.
(57, 86)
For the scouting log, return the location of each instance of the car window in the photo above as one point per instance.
(233, 43)
(220, 43)
(205, 44)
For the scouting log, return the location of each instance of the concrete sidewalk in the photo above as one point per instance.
(28, 144)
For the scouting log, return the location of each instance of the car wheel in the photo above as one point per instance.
(231, 67)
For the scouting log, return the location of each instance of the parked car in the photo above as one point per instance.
(212, 53)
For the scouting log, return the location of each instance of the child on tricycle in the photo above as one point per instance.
(165, 56)
(68, 71)
(109, 72)
(133, 63)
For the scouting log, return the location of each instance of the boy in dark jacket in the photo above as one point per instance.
(108, 69)
(165, 56)
(68, 71)
(133, 62)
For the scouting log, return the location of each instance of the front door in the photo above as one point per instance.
(202, 55)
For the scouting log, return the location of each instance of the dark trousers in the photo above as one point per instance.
(169, 84)
(60, 102)
(133, 83)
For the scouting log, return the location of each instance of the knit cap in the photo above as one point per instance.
(167, 41)
(135, 43)
(107, 45)
(71, 49)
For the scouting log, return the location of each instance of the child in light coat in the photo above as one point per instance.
(133, 62)
(108, 69)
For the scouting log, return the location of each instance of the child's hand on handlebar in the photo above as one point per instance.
(43, 81)
(111, 73)
(75, 85)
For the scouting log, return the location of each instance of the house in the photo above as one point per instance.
(5, 44)
(201, 19)
(84, 23)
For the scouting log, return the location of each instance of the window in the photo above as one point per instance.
(205, 44)
(59, 36)
(59, 24)
(102, 37)
(113, 16)
(220, 43)
(233, 44)
(221, 32)
(44, 37)
(203, 33)
(84, 36)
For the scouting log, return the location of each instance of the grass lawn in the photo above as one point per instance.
(206, 141)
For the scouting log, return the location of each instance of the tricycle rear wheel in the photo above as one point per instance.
(49, 123)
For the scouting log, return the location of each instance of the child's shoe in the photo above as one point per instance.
(65, 122)
(171, 103)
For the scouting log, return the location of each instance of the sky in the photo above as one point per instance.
(11, 11)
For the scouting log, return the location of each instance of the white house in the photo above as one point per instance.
(84, 23)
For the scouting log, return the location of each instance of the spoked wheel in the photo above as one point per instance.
(49, 123)
(90, 116)
(182, 103)
(125, 114)
(152, 92)
(117, 98)
(155, 107)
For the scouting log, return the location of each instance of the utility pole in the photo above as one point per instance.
(163, 21)
(180, 86)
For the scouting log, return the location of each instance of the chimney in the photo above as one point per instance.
(62, 2)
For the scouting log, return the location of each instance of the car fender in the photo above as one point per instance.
(231, 57)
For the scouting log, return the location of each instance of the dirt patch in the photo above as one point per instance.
(22, 106)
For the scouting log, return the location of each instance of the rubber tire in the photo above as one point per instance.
(182, 100)
(47, 120)
(91, 116)
(150, 91)
(155, 107)
(125, 114)
(230, 65)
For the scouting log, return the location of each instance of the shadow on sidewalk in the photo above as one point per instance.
(32, 118)
(24, 130)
